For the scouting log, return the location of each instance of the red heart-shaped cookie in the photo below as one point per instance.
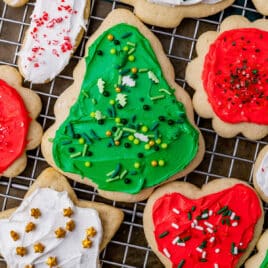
(215, 227)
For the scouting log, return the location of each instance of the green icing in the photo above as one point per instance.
(146, 109)
(264, 264)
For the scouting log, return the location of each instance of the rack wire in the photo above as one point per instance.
(223, 157)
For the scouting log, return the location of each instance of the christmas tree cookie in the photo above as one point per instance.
(124, 126)
(169, 13)
(216, 226)
(19, 130)
(230, 78)
(53, 228)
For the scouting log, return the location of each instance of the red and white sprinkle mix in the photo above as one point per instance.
(174, 225)
(165, 250)
(176, 211)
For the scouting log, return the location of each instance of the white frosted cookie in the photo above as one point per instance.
(229, 76)
(215, 226)
(169, 13)
(52, 228)
(55, 32)
(19, 130)
(119, 126)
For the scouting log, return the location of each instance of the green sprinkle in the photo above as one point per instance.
(110, 173)
(203, 260)
(116, 171)
(157, 97)
(182, 262)
(144, 70)
(123, 174)
(85, 93)
(64, 142)
(129, 130)
(154, 126)
(220, 211)
(131, 44)
(131, 51)
(164, 90)
(119, 79)
(70, 129)
(51, 140)
(189, 215)
(94, 101)
(133, 172)
(75, 155)
(126, 35)
(186, 238)
(123, 72)
(226, 213)
(113, 179)
(232, 247)
(118, 137)
(85, 149)
(237, 218)
(86, 137)
(203, 244)
(93, 134)
(193, 208)
(163, 234)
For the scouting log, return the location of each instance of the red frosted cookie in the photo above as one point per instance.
(208, 227)
(19, 131)
(230, 78)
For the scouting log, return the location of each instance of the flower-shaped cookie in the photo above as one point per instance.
(169, 13)
(19, 131)
(52, 228)
(230, 77)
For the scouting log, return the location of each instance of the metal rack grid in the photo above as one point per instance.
(223, 157)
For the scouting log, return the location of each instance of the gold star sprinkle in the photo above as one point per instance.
(67, 212)
(86, 243)
(29, 227)
(39, 248)
(70, 225)
(21, 251)
(60, 232)
(51, 261)
(35, 212)
(14, 235)
(91, 232)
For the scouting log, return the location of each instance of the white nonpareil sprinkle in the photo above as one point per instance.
(216, 265)
(208, 224)
(204, 216)
(200, 228)
(199, 249)
(232, 216)
(240, 244)
(175, 240)
(181, 244)
(174, 225)
(217, 250)
(234, 224)
(210, 230)
(212, 239)
(176, 211)
(166, 252)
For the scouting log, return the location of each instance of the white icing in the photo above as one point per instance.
(262, 175)
(48, 59)
(184, 2)
(68, 250)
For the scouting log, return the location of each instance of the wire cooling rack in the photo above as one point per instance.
(223, 157)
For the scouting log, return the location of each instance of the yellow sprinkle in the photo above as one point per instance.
(67, 212)
(39, 248)
(81, 141)
(147, 147)
(91, 232)
(87, 164)
(117, 120)
(136, 141)
(108, 133)
(117, 143)
(130, 137)
(118, 89)
(131, 58)
(52, 261)
(35, 212)
(113, 51)
(60, 233)
(92, 114)
(21, 251)
(151, 143)
(158, 141)
(14, 235)
(161, 163)
(29, 227)
(137, 165)
(112, 102)
(154, 163)
(125, 48)
(70, 225)
(164, 145)
(134, 70)
(144, 129)
(86, 243)
(110, 37)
